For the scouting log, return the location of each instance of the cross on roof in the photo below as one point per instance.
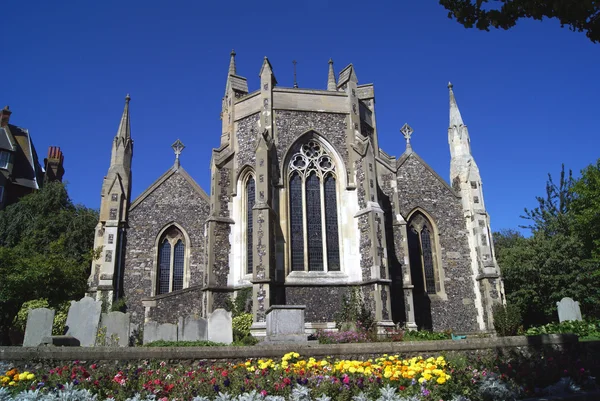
(407, 131)
(178, 147)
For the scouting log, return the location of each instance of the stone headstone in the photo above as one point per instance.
(285, 323)
(156, 332)
(191, 329)
(117, 328)
(568, 310)
(39, 326)
(220, 329)
(83, 320)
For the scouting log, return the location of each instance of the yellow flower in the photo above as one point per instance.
(12, 383)
(441, 380)
(30, 376)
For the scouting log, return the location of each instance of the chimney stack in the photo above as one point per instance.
(5, 116)
(54, 164)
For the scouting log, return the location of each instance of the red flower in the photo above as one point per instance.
(402, 388)
(224, 373)
(169, 387)
(93, 366)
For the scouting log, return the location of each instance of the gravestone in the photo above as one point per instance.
(285, 323)
(83, 320)
(156, 332)
(117, 326)
(568, 310)
(39, 326)
(191, 329)
(220, 329)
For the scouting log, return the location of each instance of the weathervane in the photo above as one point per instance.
(295, 82)
(177, 147)
(407, 131)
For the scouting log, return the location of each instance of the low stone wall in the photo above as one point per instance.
(506, 346)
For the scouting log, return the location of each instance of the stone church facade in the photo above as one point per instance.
(303, 206)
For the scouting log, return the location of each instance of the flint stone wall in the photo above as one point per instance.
(418, 186)
(322, 303)
(175, 200)
(170, 307)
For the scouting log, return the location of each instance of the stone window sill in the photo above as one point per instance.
(316, 278)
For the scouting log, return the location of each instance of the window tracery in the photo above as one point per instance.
(171, 261)
(313, 209)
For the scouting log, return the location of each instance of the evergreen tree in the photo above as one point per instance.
(45, 251)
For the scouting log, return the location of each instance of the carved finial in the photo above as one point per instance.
(178, 147)
(295, 82)
(450, 86)
(127, 98)
(6, 108)
(407, 131)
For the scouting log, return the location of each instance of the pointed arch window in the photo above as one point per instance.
(313, 210)
(423, 254)
(171, 261)
(250, 200)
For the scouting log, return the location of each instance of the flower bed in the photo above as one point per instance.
(388, 377)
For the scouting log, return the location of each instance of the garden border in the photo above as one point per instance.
(278, 350)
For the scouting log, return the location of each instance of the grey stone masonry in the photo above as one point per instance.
(39, 325)
(285, 323)
(220, 329)
(157, 332)
(420, 188)
(83, 320)
(177, 200)
(117, 328)
(568, 309)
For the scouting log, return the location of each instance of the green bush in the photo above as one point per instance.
(424, 335)
(60, 316)
(120, 305)
(507, 319)
(580, 328)
(241, 326)
(246, 341)
(162, 343)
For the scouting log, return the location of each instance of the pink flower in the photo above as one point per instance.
(263, 393)
(346, 379)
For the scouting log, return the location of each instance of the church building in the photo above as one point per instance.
(303, 207)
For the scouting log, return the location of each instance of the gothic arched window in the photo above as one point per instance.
(423, 255)
(313, 210)
(250, 199)
(171, 261)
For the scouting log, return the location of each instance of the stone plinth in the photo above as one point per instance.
(285, 323)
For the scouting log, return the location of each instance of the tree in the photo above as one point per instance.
(45, 251)
(578, 15)
(557, 260)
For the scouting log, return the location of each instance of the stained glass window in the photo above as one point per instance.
(296, 225)
(331, 225)
(313, 198)
(178, 258)
(250, 199)
(314, 226)
(427, 261)
(164, 267)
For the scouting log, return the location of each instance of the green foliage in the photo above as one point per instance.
(120, 305)
(240, 304)
(246, 341)
(579, 328)
(578, 15)
(45, 251)
(507, 319)
(241, 326)
(60, 315)
(354, 311)
(424, 335)
(162, 343)
(560, 258)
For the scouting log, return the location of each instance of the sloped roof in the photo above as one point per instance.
(27, 170)
(173, 170)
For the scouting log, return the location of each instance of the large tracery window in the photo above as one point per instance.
(171, 261)
(313, 210)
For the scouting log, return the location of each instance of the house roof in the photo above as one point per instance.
(27, 170)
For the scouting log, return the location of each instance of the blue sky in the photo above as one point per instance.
(528, 95)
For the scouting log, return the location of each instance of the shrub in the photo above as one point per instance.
(120, 305)
(60, 316)
(507, 319)
(424, 335)
(579, 328)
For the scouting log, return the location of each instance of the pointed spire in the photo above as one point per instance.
(232, 70)
(331, 85)
(455, 117)
(124, 127)
(295, 80)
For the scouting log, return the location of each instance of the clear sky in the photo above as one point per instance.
(530, 95)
